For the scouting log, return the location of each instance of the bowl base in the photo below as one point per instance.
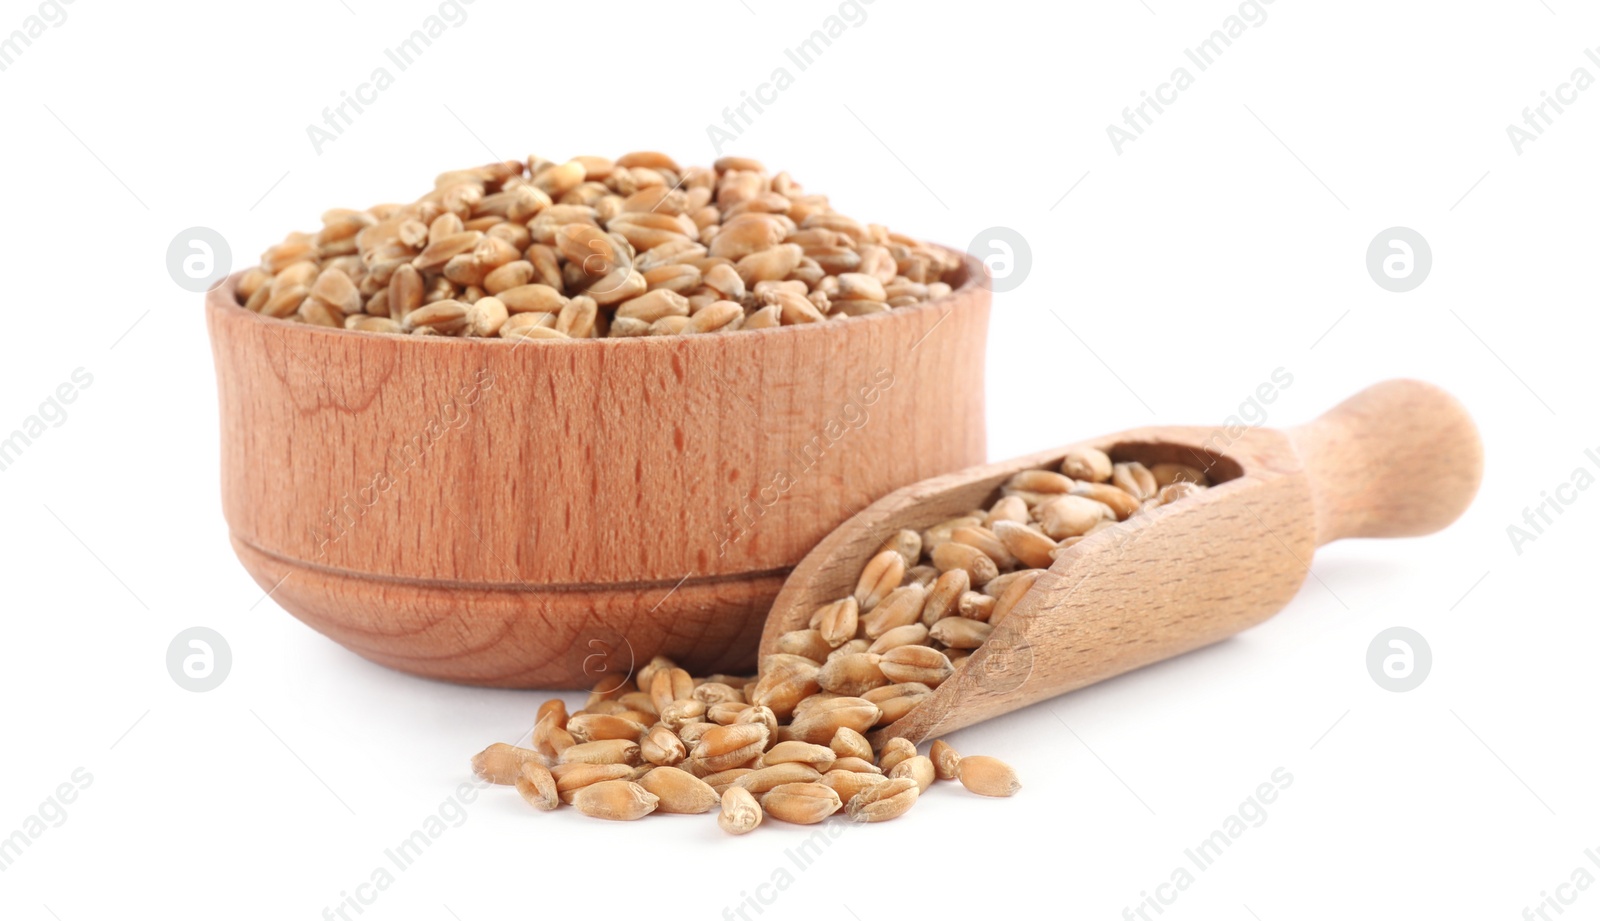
(524, 637)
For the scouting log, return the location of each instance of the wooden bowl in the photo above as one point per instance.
(541, 514)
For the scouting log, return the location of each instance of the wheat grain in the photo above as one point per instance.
(619, 800)
(679, 791)
(988, 776)
(740, 811)
(611, 231)
(794, 735)
(801, 803)
(886, 800)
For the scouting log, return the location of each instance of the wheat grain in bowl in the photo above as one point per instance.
(790, 743)
(595, 248)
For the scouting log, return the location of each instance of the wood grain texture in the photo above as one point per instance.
(1400, 458)
(473, 509)
(517, 637)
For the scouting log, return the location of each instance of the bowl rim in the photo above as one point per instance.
(223, 298)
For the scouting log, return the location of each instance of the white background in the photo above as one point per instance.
(1226, 242)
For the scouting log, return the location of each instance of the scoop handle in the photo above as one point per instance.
(1399, 459)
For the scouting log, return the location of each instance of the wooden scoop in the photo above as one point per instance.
(1399, 459)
